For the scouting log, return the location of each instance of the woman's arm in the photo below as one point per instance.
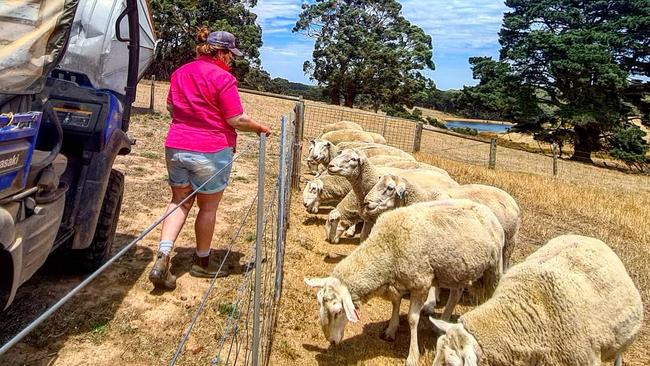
(244, 123)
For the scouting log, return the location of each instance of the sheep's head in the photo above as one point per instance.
(347, 163)
(336, 307)
(457, 347)
(319, 151)
(387, 194)
(311, 195)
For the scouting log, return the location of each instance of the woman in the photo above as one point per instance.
(206, 110)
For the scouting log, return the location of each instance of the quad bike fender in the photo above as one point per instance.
(94, 187)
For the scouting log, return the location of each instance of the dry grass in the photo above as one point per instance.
(615, 212)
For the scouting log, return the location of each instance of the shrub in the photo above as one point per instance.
(436, 123)
(465, 130)
(629, 146)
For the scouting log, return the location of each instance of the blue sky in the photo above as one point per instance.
(459, 28)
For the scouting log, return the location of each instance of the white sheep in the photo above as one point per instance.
(395, 190)
(338, 136)
(327, 189)
(343, 125)
(378, 138)
(569, 303)
(343, 219)
(449, 243)
(321, 152)
(354, 165)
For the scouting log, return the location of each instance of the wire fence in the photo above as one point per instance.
(408, 135)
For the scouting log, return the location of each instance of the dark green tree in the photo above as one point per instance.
(578, 56)
(366, 48)
(177, 22)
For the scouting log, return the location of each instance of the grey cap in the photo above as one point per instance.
(225, 40)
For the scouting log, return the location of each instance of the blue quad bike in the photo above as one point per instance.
(68, 76)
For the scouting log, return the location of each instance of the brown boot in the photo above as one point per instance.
(160, 275)
(204, 268)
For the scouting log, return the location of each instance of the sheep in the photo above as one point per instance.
(393, 191)
(569, 303)
(321, 152)
(343, 125)
(449, 243)
(354, 165)
(338, 136)
(379, 139)
(342, 219)
(327, 189)
(410, 164)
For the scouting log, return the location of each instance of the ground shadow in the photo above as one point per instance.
(182, 259)
(368, 345)
(314, 221)
(88, 310)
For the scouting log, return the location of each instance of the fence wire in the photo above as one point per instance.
(235, 343)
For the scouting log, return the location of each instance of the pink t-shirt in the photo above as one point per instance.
(204, 95)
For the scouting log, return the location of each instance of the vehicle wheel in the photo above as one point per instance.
(98, 252)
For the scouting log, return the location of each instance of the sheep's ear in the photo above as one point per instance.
(400, 189)
(328, 144)
(316, 282)
(350, 311)
(440, 324)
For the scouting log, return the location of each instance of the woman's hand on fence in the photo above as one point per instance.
(263, 129)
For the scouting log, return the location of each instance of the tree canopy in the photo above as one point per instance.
(578, 56)
(366, 48)
(177, 23)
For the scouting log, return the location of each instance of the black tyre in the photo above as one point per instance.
(98, 252)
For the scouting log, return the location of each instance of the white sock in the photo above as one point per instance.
(203, 254)
(166, 246)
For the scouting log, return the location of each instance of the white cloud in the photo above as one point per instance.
(457, 26)
(459, 29)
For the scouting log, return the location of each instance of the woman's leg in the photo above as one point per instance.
(160, 274)
(173, 224)
(204, 228)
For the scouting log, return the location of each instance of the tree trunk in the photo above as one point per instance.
(350, 96)
(335, 95)
(586, 139)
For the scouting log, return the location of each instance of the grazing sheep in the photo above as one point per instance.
(449, 243)
(354, 165)
(321, 152)
(343, 125)
(344, 217)
(570, 303)
(339, 136)
(410, 164)
(379, 139)
(393, 191)
(328, 189)
(325, 190)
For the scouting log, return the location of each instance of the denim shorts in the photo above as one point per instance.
(187, 168)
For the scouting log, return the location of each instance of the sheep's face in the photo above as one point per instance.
(336, 307)
(457, 347)
(319, 152)
(311, 195)
(347, 163)
(384, 196)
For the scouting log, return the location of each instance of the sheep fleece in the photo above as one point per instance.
(569, 303)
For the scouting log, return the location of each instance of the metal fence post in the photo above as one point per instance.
(297, 144)
(555, 148)
(383, 129)
(279, 251)
(152, 93)
(493, 154)
(258, 249)
(417, 141)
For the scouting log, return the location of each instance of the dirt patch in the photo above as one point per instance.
(119, 318)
